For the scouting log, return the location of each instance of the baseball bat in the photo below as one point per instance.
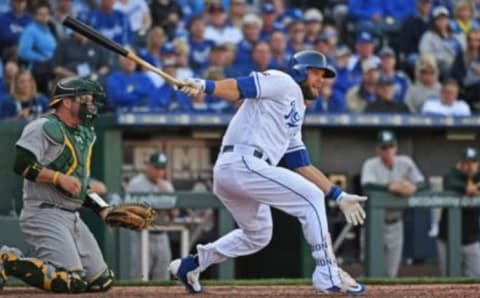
(97, 37)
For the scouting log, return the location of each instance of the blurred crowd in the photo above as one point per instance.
(396, 56)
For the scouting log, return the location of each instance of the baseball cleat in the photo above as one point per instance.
(188, 272)
(357, 290)
(347, 285)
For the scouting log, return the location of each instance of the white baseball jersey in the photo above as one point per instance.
(271, 122)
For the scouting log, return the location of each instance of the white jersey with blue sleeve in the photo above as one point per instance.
(270, 120)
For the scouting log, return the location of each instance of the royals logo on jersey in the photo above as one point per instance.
(293, 117)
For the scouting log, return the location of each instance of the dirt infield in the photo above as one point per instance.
(443, 290)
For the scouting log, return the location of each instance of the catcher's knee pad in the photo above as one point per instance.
(43, 275)
(103, 282)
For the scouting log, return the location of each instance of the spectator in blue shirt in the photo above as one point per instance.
(23, 102)
(399, 9)
(313, 25)
(111, 23)
(278, 45)
(10, 69)
(128, 88)
(37, 46)
(330, 100)
(12, 23)
(251, 34)
(199, 46)
(268, 21)
(166, 98)
(296, 37)
(401, 82)
(155, 41)
(366, 10)
(344, 80)
(364, 50)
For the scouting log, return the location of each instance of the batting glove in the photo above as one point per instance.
(351, 208)
(193, 87)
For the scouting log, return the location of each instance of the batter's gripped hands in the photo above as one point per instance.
(193, 87)
(351, 208)
(70, 184)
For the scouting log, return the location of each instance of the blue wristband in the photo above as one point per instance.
(209, 87)
(334, 193)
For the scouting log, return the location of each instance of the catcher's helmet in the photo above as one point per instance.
(73, 87)
(301, 61)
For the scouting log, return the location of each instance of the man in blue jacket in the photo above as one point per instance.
(128, 88)
(111, 23)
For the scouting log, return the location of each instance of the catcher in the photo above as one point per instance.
(53, 155)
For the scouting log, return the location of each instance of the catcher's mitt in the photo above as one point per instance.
(131, 216)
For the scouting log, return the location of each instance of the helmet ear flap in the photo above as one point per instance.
(299, 72)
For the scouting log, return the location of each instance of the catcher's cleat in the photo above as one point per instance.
(188, 272)
(347, 286)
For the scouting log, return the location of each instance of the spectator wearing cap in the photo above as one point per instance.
(138, 14)
(111, 23)
(364, 50)
(440, 41)
(219, 30)
(278, 45)
(330, 101)
(199, 46)
(166, 14)
(296, 37)
(385, 98)
(398, 175)
(448, 104)
(426, 83)
(413, 28)
(78, 56)
(313, 19)
(153, 180)
(464, 181)
(326, 44)
(37, 46)
(286, 14)
(361, 94)
(269, 16)
(344, 80)
(13, 22)
(218, 58)
(10, 69)
(251, 27)
(238, 10)
(466, 69)
(388, 63)
(23, 102)
(128, 88)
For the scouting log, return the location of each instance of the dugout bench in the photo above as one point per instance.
(378, 201)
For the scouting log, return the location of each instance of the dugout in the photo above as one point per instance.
(337, 143)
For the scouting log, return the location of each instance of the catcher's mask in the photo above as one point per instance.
(78, 88)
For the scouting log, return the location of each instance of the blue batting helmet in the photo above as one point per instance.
(301, 61)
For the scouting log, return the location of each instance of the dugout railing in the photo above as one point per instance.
(379, 201)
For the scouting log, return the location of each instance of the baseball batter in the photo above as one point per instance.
(53, 155)
(267, 128)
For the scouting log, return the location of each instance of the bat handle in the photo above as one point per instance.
(168, 78)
